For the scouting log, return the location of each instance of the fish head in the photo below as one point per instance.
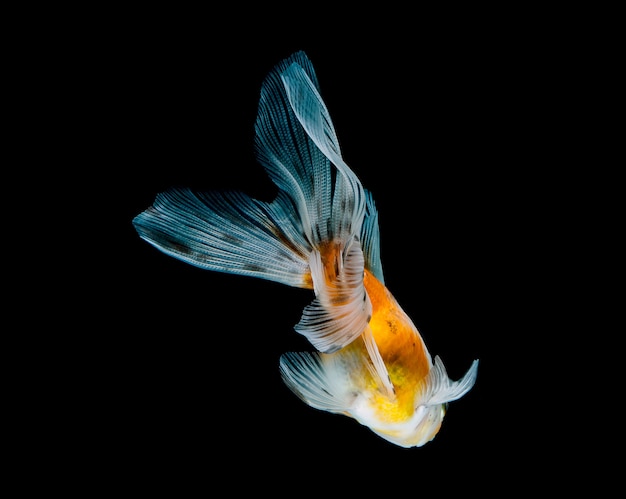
(418, 430)
(421, 421)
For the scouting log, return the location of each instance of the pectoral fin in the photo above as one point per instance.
(441, 389)
(306, 375)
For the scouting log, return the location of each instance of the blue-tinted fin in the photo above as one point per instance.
(228, 232)
(310, 235)
(297, 144)
(348, 201)
(370, 239)
(291, 159)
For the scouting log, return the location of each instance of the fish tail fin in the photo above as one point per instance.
(228, 232)
(297, 144)
(320, 232)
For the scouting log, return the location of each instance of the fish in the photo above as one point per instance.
(320, 232)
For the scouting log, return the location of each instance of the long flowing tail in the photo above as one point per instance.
(321, 230)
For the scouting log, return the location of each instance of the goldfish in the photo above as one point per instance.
(320, 232)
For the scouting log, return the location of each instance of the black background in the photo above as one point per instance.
(445, 123)
(199, 351)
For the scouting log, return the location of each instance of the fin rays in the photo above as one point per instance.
(227, 232)
(320, 232)
(441, 390)
(341, 309)
(306, 376)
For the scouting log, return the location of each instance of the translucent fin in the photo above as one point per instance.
(229, 232)
(341, 310)
(378, 367)
(309, 108)
(306, 375)
(440, 389)
(296, 143)
(370, 239)
(292, 161)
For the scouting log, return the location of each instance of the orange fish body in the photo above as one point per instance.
(321, 233)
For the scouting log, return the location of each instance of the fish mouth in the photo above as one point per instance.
(420, 429)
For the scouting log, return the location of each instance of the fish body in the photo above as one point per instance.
(320, 233)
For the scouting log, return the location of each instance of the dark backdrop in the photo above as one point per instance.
(185, 361)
